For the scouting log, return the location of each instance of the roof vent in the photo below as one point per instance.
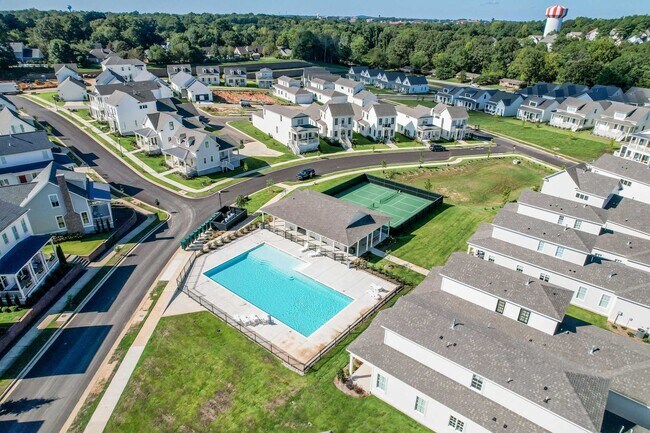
(547, 399)
(441, 337)
(593, 350)
(509, 380)
(449, 344)
(453, 324)
(494, 418)
(629, 243)
(546, 388)
(611, 274)
(529, 282)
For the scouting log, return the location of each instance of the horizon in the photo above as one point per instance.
(500, 10)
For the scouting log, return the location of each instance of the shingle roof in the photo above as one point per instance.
(328, 216)
(537, 103)
(563, 206)
(506, 97)
(74, 81)
(343, 109)
(59, 66)
(16, 258)
(415, 112)
(381, 109)
(25, 142)
(182, 79)
(456, 112)
(632, 214)
(130, 87)
(634, 114)
(346, 82)
(416, 80)
(117, 60)
(590, 182)
(637, 96)
(625, 168)
(293, 90)
(9, 212)
(633, 248)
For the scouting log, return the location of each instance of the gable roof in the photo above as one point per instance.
(182, 79)
(73, 81)
(8, 115)
(129, 87)
(590, 182)
(117, 60)
(181, 67)
(562, 206)
(455, 111)
(637, 96)
(416, 80)
(337, 110)
(59, 66)
(632, 214)
(12, 144)
(346, 82)
(415, 112)
(507, 98)
(108, 76)
(626, 168)
(9, 212)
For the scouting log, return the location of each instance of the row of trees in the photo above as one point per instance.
(494, 49)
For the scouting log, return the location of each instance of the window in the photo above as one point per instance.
(524, 316)
(520, 268)
(420, 405)
(544, 277)
(60, 222)
(14, 230)
(560, 220)
(577, 224)
(24, 225)
(5, 238)
(540, 246)
(456, 424)
(477, 382)
(381, 382)
(491, 259)
(581, 293)
(604, 301)
(582, 196)
(559, 251)
(85, 219)
(626, 182)
(54, 200)
(171, 126)
(501, 305)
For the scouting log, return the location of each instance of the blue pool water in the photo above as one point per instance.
(267, 278)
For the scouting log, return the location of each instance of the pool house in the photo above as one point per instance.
(334, 228)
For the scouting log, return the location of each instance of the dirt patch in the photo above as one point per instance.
(219, 403)
(358, 393)
(280, 400)
(38, 84)
(233, 97)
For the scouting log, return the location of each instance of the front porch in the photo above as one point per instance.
(529, 116)
(565, 122)
(102, 215)
(147, 140)
(616, 131)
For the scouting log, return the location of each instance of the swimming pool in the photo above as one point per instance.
(268, 278)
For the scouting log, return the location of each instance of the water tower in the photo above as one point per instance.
(554, 16)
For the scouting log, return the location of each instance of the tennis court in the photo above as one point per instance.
(399, 205)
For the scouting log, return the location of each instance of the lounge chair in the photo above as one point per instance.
(314, 253)
(378, 288)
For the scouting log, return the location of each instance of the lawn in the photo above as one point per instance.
(413, 102)
(156, 162)
(359, 142)
(207, 179)
(260, 198)
(402, 140)
(85, 245)
(48, 96)
(197, 374)
(128, 142)
(247, 127)
(84, 113)
(325, 148)
(9, 318)
(579, 145)
(587, 316)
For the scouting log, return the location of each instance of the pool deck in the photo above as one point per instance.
(351, 282)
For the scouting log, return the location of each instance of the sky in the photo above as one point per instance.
(517, 10)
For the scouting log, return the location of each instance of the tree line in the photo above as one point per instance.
(494, 49)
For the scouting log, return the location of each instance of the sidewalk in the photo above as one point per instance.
(398, 261)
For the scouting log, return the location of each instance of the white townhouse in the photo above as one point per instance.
(370, 76)
(580, 184)
(101, 93)
(348, 87)
(363, 98)
(537, 110)
(452, 121)
(24, 156)
(11, 122)
(354, 73)
(376, 121)
(388, 79)
(472, 98)
(335, 122)
(448, 94)
(65, 70)
(186, 86)
(634, 177)
(160, 128)
(264, 78)
(289, 89)
(620, 121)
(324, 91)
(72, 89)
(577, 114)
(629, 217)
(289, 125)
(234, 76)
(196, 152)
(208, 75)
(25, 259)
(637, 149)
(412, 84)
(504, 104)
(630, 250)
(417, 123)
(128, 69)
(176, 68)
(308, 74)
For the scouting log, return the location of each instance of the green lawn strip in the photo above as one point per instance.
(326, 148)
(257, 200)
(155, 162)
(88, 408)
(247, 128)
(587, 316)
(360, 142)
(47, 96)
(580, 145)
(127, 142)
(378, 91)
(84, 113)
(85, 245)
(9, 318)
(251, 163)
(402, 140)
(413, 102)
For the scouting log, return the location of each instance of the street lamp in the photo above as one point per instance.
(219, 192)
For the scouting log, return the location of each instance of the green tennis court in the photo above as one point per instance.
(398, 205)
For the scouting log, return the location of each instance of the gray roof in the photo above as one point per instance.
(358, 69)
(625, 168)
(507, 98)
(17, 194)
(9, 212)
(130, 87)
(632, 214)
(346, 82)
(416, 80)
(582, 107)
(285, 110)
(330, 217)
(600, 93)
(563, 206)
(101, 53)
(292, 90)
(633, 248)
(590, 182)
(117, 60)
(337, 110)
(509, 285)
(74, 81)
(545, 231)
(206, 70)
(620, 279)
(634, 114)
(8, 115)
(108, 76)
(59, 66)
(382, 109)
(174, 69)
(456, 112)
(182, 79)
(415, 112)
(637, 96)
(234, 70)
(536, 103)
(26, 142)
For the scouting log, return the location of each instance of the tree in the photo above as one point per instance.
(444, 65)
(532, 65)
(59, 254)
(241, 201)
(7, 57)
(60, 51)
(157, 54)
(428, 185)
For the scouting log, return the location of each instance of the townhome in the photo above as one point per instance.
(630, 250)
(208, 75)
(601, 92)
(289, 89)
(448, 94)
(11, 122)
(197, 152)
(388, 79)
(186, 86)
(317, 72)
(629, 217)
(62, 201)
(25, 259)
(417, 123)
(363, 98)
(264, 78)
(426, 356)
(504, 104)
(335, 122)
(639, 96)
(24, 156)
(633, 177)
(107, 77)
(539, 89)
(159, 128)
(234, 76)
(288, 125)
(376, 121)
(567, 90)
(72, 89)
(26, 54)
(348, 87)
(472, 98)
(175, 69)
(370, 76)
(65, 70)
(126, 111)
(537, 110)
(128, 69)
(577, 114)
(452, 121)
(580, 184)
(139, 89)
(354, 73)
(324, 91)
(412, 84)
(620, 121)
(637, 149)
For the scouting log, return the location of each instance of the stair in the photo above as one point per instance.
(81, 261)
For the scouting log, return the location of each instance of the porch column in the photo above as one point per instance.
(351, 365)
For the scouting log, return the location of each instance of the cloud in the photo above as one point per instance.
(491, 3)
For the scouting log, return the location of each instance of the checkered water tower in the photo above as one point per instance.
(554, 16)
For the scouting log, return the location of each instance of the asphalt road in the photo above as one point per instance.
(43, 400)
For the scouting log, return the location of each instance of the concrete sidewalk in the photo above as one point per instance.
(398, 261)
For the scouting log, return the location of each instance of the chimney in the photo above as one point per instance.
(71, 218)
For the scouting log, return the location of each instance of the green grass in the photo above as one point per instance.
(260, 198)
(127, 142)
(378, 91)
(406, 275)
(579, 145)
(326, 148)
(248, 164)
(8, 319)
(197, 374)
(402, 140)
(360, 142)
(156, 162)
(85, 245)
(84, 113)
(48, 96)
(587, 316)
(414, 103)
(247, 127)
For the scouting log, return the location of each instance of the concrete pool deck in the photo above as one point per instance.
(350, 282)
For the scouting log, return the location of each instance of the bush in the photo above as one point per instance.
(6, 310)
(630, 334)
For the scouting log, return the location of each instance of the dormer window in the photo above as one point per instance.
(619, 116)
(572, 109)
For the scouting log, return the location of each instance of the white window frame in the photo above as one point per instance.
(559, 251)
(577, 224)
(560, 220)
(602, 298)
(87, 217)
(456, 424)
(58, 202)
(56, 218)
(420, 405)
(476, 383)
(581, 293)
(381, 382)
(520, 268)
(540, 245)
(526, 313)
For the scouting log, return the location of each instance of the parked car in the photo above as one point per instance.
(437, 148)
(307, 173)
(244, 103)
